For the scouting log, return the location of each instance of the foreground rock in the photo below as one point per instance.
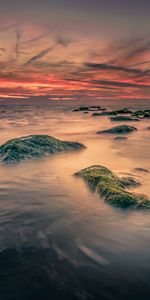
(122, 129)
(34, 146)
(113, 189)
(124, 119)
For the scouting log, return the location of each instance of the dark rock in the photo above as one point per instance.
(76, 109)
(138, 113)
(146, 115)
(122, 129)
(113, 189)
(83, 108)
(124, 111)
(34, 146)
(141, 170)
(124, 119)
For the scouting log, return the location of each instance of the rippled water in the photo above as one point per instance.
(57, 239)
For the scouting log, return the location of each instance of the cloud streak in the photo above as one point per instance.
(38, 56)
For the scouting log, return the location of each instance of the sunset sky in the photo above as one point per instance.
(83, 49)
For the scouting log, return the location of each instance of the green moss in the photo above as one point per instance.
(112, 188)
(34, 146)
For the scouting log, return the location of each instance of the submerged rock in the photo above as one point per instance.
(122, 129)
(120, 138)
(124, 119)
(34, 146)
(112, 188)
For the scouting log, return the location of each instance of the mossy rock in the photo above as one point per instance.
(122, 129)
(34, 146)
(124, 119)
(113, 189)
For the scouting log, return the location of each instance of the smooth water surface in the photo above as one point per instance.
(57, 239)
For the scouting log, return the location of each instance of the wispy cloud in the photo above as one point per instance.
(38, 56)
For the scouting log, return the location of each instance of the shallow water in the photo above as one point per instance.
(57, 239)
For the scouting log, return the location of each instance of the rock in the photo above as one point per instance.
(124, 111)
(83, 108)
(76, 109)
(34, 146)
(124, 119)
(138, 113)
(122, 129)
(113, 189)
(146, 115)
(141, 170)
(120, 138)
(105, 113)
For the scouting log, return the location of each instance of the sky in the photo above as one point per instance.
(72, 50)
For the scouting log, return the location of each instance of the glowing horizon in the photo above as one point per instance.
(67, 50)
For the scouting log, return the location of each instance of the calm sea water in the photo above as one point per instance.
(57, 239)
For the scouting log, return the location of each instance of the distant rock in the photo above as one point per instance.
(138, 113)
(124, 111)
(122, 129)
(75, 110)
(104, 113)
(141, 170)
(34, 146)
(113, 189)
(146, 115)
(124, 119)
(142, 113)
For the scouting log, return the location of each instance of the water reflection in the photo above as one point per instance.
(57, 239)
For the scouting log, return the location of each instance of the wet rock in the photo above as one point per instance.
(141, 170)
(113, 189)
(124, 119)
(34, 146)
(75, 110)
(124, 111)
(138, 113)
(122, 129)
(146, 115)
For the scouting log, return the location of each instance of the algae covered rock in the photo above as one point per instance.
(34, 146)
(112, 188)
(122, 129)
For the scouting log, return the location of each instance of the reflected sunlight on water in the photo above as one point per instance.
(57, 239)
